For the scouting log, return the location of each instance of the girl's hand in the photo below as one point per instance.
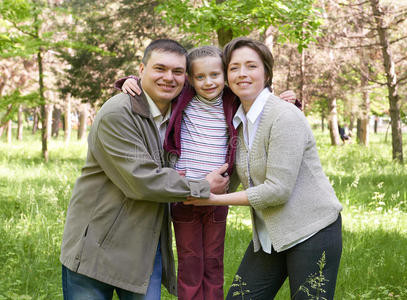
(130, 86)
(288, 96)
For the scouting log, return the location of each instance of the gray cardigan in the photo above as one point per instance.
(290, 187)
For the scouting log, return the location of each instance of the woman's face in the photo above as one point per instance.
(246, 75)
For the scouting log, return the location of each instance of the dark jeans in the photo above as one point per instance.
(260, 275)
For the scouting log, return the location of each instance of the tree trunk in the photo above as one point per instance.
(44, 129)
(359, 130)
(224, 36)
(391, 76)
(20, 123)
(289, 79)
(376, 124)
(56, 121)
(67, 120)
(333, 122)
(9, 131)
(50, 109)
(83, 119)
(35, 120)
(322, 122)
(365, 109)
(302, 79)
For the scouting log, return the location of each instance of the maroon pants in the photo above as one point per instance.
(200, 236)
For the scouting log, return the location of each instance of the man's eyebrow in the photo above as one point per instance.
(165, 66)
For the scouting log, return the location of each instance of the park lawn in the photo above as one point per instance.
(373, 190)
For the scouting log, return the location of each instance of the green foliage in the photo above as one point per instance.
(117, 29)
(9, 104)
(238, 282)
(297, 21)
(16, 97)
(21, 28)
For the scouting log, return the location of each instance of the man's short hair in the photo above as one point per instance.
(163, 45)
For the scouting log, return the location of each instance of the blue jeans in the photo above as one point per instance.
(76, 286)
(260, 275)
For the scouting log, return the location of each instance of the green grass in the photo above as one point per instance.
(373, 190)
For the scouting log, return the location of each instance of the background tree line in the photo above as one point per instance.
(346, 60)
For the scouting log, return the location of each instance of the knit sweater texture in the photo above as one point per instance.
(290, 187)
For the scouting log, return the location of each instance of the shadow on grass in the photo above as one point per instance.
(37, 160)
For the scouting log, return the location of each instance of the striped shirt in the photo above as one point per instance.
(204, 138)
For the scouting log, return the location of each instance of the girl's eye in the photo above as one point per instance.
(199, 77)
(232, 68)
(214, 75)
(252, 66)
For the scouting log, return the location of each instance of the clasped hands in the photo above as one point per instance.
(219, 184)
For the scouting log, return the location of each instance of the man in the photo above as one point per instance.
(117, 234)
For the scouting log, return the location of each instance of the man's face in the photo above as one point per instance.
(163, 77)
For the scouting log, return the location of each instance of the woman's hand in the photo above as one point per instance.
(200, 201)
(236, 198)
(130, 86)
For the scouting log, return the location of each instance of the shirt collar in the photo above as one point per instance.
(254, 111)
(239, 117)
(155, 112)
(258, 105)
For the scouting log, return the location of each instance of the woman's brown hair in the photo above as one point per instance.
(261, 49)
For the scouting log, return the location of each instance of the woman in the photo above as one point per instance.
(295, 213)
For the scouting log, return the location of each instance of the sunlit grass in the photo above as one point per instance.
(373, 190)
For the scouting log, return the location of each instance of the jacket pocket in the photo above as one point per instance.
(107, 236)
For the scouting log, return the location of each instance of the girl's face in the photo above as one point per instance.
(246, 74)
(207, 76)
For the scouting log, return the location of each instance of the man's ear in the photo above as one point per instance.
(141, 69)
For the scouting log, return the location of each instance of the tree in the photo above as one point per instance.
(119, 30)
(297, 21)
(382, 28)
(29, 32)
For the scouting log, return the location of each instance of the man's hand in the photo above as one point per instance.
(130, 86)
(219, 183)
(288, 96)
(182, 173)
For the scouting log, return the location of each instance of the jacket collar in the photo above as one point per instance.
(139, 103)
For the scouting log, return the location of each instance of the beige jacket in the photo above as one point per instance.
(118, 209)
(290, 188)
